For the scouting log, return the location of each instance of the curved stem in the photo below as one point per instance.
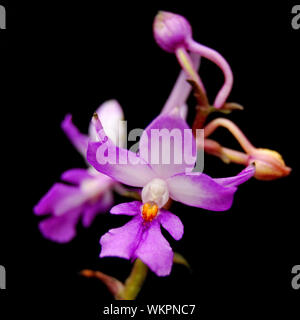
(192, 74)
(234, 129)
(186, 63)
(225, 154)
(236, 156)
(134, 282)
(218, 59)
(181, 89)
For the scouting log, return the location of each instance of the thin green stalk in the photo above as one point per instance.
(134, 282)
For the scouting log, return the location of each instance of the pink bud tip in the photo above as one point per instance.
(171, 30)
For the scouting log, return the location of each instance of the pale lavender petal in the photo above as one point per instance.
(60, 199)
(174, 151)
(130, 209)
(200, 191)
(103, 205)
(79, 140)
(122, 242)
(155, 251)
(183, 110)
(61, 229)
(110, 114)
(171, 223)
(242, 177)
(76, 175)
(181, 90)
(118, 163)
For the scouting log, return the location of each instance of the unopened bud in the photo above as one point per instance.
(171, 30)
(269, 164)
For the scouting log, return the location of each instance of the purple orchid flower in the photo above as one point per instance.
(88, 192)
(141, 237)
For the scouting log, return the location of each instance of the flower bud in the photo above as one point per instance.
(171, 30)
(113, 285)
(269, 164)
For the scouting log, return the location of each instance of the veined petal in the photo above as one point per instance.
(79, 140)
(171, 223)
(154, 250)
(122, 242)
(61, 229)
(242, 177)
(110, 113)
(168, 144)
(130, 209)
(200, 191)
(118, 163)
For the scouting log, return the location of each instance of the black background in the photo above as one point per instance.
(57, 59)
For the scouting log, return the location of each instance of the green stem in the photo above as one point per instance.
(134, 282)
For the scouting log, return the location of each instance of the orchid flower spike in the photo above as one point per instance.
(159, 182)
(88, 192)
(173, 33)
(269, 164)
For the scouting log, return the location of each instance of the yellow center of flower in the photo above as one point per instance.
(149, 211)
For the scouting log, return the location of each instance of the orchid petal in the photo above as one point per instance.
(101, 206)
(130, 209)
(76, 176)
(242, 177)
(110, 114)
(171, 223)
(119, 164)
(171, 134)
(183, 111)
(59, 200)
(79, 140)
(155, 251)
(200, 191)
(181, 90)
(60, 229)
(122, 242)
